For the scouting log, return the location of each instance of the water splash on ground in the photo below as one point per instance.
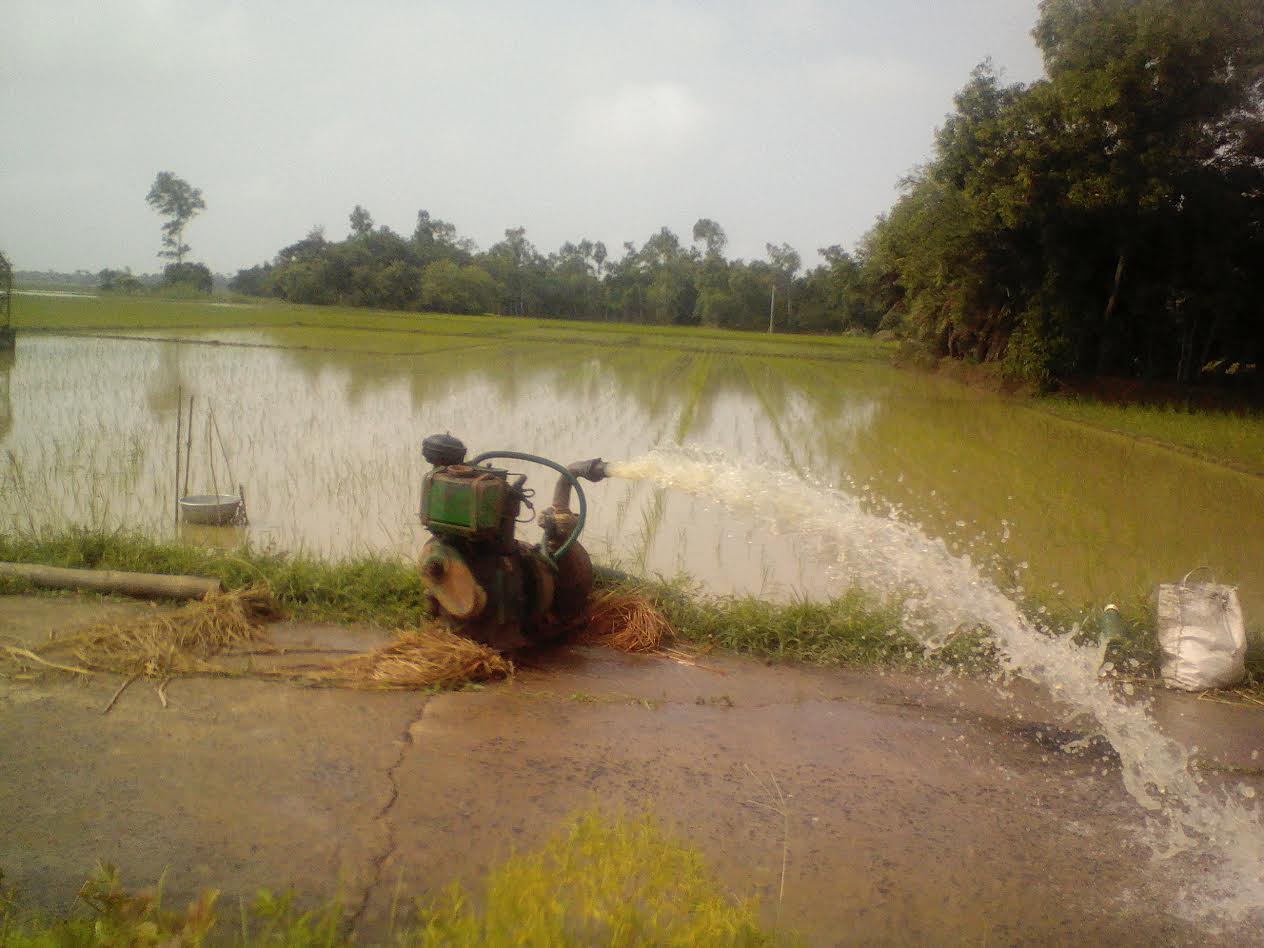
(946, 592)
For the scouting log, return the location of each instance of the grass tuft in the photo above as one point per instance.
(595, 882)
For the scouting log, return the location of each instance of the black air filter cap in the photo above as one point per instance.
(442, 450)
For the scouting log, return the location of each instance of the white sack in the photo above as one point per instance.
(1202, 636)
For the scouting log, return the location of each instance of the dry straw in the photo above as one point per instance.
(169, 643)
(430, 657)
(626, 621)
(187, 641)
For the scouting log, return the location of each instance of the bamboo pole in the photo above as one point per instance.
(223, 452)
(188, 447)
(144, 585)
(210, 451)
(179, 418)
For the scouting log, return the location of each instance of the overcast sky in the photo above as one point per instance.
(784, 121)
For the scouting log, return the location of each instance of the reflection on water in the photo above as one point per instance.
(8, 357)
(223, 538)
(326, 443)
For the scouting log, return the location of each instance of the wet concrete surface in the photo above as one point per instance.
(915, 810)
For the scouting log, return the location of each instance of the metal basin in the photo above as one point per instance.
(214, 509)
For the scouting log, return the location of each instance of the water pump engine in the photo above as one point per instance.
(479, 578)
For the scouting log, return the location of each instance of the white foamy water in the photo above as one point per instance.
(946, 592)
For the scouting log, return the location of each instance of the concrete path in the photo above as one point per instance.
(930, 811)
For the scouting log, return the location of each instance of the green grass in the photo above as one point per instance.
(598, 881)
(853, 630)
(307, 323)
(1228, 438)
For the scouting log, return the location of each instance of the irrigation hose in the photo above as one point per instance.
(574, 481)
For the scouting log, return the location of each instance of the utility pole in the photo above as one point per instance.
(772, 305)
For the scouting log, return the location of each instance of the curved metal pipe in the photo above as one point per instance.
(593, 470)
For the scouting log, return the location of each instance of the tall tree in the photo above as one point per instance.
(179, 202)
(710, 234)
(786, 261)
(361, 222)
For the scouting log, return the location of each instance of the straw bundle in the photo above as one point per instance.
(428, 657)
(627, 621)
(166, 643)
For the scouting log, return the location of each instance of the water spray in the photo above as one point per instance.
(944, 592)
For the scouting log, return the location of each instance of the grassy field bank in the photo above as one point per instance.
(1235, 439)
(854, 630)
(320, 326)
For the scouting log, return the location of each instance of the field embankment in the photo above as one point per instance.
(326, 327)
(853, 630)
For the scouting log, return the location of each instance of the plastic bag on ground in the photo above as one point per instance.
(1202, 635)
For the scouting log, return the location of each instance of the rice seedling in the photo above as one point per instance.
(1232, 438)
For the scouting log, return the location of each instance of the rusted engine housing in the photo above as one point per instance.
(479, 578)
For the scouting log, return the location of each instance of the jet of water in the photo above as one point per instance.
(945, 592)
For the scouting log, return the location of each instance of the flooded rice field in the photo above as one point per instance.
(326, 441)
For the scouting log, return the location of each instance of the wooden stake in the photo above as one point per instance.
(210, 452)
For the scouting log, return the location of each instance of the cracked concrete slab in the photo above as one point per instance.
(903, 825)
(238, 784)
(915, 809)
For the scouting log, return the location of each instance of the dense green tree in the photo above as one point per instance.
(837, 296)
(118, 281)
(452, 288)
(194, 276)
(254, 281)
(1104, 219)
(711, 235)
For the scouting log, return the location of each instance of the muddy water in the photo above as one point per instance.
(325, 443)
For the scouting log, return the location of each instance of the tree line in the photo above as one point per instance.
(664, 281)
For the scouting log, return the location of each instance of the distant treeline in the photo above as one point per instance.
(664, 281)
(193, 276)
